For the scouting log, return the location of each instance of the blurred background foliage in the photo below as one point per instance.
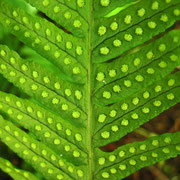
(168, 121)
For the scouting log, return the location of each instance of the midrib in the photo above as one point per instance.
(89, 122)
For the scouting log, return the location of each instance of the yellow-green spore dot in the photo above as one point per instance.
(112, 113)
(19, 116)
(132, 149)
(115, 128)
(34, 158)
(12, 74)
(17, 145)
(105, 134)
(76, 70)
(155, 142)
(104, 3)
(46, 80)
(112, 73)
(173, 58)
(10, 111)
(57, 54)
(60, 176)
(127, 83)
(56, 9)
(164, 18)
(150, 55)
(105, 175)
(100, 76)
(80, 3)
(166, 150)
(27, 34)
(47, 134)
(24, 67)
(76, 153)
(59, 126)
(69, 45)
(150, 71)
(57, 85)
(7, 99)
(33, 146)
(145, 110)
(15, 14)
(167, 140)
(35, 74)
(44, 94)
(38, 128)
(162, 47)
(122, 167)
(135, 100)
(170, 96)
(154, 155)
(124, 68)
(50, 120)
(139, 31)
(139, 78)
(34, 87)
(68, 92)
(12, 60)
(128, 37)
(76, 114)
(168, 1)
(8, 22)
(78, 94)
(79, 50)
(3, 53)
(146, 94)
(178, 147)
(25, 152)
(128, 19)
(113, 171)
(55, 101)
(135, 116)
(16, 133)
(106, 95)
(53, 157)
(78, 137)
(7, 128)
(151, 25)
(104, 50)
(77, 24)
(116, 88)
(68, 132)
(117, 43)
(155, 5)
(44, 152)
(67, 15)
(171, 82)
(101, 161)
(65, 107)
(142, 147)
(114, 26)
(141, 12)
(29, 109)
(45, 3)
(112, 158)
(80, 173)
(16, 28)
(70, 169)
(137, 62)
(50, 171)
(157, 103)
(22, 80)
(56, 141)
(37, 26)
(47, 47)
(102, 30)
(124, 106)
(143, 158)
(176, 12)
(58, 38)
(101, 118)
(132, 162)
(158, 88)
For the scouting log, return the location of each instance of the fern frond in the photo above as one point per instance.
(15, 173)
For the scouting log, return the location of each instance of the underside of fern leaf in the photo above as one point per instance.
(101, 69)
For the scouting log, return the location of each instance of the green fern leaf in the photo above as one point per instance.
(102, 69)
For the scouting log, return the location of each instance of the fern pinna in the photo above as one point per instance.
(106, 76)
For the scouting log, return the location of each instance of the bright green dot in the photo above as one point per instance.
(162, 47)
(35, 158)
(65, 107)
(167, 140)
(16, 133)
(45, 3)
(127, 83)
(47, 47)
(53, 157)
(100, 76)
(122, 167)
(132, 162)
(143, 158)
(27, 34)
(3, 53)
(113, 113)
(59, 126)
(55, 101)
(128, 19)
(19, 116)
(166, 150)
(112, 158)
(56, 9)
(150, 71)
(77, 24)
(150, 55)
(24, 67)
(47, 134)
(29, 109)
(56, 141)
(59, 38)
(10, 111)
(124, 122)
(46, 80)
(105, 134)
(76, 70)
(128, 37)
(80, 3)
(139, 78)
(3, 67)
(68, 132)
(67, 92)
(105, 175)
(12, 74)
(135, 116)
(114, 26)
(34, 87)
(25, 152)
(105, 3)
(102, 30)
(164, 18)
(116, 88)
(113, 170)
(35, 74)
(143, 147)
(15, 14)
(168, 1)
(33, 146)
(80, 173)
(101, 118)
(7, 128)
(115, 128)
(137, 61)
(176, 12)
(57, 85)
(38, 128)
(152, 25)
(117, 43)
(37, 26)
(145, 110)
(106, 94)
(16, 28)
(104, 50)
(44, 94)
(17, 145)
(44, 152)
(158, 88)
(79, 50)
(155, 5)
(155, 142)
(12, 60)
(76, 154)
(178, 147)
(124, 68)
(78, 137)
(112, 73)
(67, 15)
(173, 58)
(69, 45)
(146, 94)
(124, 106)
(132, 150)
(139, 31)
(101, 161)
(170, 96)
(171, 82)
(154, 155)
(70, 169)
(157, 103)
(50, 171)
(76, 114)
(141, 12)
(135, 100)
(57, 54)
(25, 20)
